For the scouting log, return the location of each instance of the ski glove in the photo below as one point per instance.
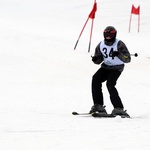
(115, 53)
(94, 58)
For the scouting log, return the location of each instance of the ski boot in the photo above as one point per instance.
(120, 112)
(97, 108)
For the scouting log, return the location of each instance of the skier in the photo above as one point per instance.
(112, 53)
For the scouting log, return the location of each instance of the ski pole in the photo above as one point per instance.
(136, 54)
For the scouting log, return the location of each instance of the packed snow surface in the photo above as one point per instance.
(43, 79)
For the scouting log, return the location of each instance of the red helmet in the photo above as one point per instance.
(111, 32)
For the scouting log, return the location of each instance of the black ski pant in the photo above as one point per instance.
(110, 76)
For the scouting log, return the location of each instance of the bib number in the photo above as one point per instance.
(108, 54)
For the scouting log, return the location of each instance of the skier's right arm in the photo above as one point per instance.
(98, 57)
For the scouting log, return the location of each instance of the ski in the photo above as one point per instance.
(99, 115)
(76, 113)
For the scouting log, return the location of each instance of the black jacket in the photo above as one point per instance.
(123, 55)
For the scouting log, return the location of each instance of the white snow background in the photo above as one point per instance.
(42, 79)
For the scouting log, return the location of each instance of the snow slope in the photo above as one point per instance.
(42, 79)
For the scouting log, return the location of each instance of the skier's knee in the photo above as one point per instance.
(110, 85)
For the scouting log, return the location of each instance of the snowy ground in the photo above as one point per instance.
(42, 79)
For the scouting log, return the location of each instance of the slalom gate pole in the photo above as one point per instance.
(130, 22)
(91, 35)
(81, 33)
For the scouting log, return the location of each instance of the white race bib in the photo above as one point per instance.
(107, 54)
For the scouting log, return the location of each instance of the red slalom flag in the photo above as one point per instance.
(92, 13)
(135, 11)
(91, 16)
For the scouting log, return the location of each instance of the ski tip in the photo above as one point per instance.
(74, 113)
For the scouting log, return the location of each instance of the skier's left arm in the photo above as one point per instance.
(124, 54)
